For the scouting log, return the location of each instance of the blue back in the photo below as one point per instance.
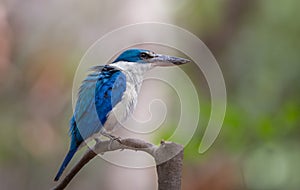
(109, 91)
(98, 94)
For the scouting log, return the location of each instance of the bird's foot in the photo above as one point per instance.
(112, 139)
(117, 139)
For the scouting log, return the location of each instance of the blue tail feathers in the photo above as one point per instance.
(66, 161)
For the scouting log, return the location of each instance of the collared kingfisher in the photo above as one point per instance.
(109, 94)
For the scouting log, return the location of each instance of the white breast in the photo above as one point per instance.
(134, 79)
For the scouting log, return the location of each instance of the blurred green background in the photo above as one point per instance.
(256, 43)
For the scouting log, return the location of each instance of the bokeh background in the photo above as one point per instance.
(256, 43)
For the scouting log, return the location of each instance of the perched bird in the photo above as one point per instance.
(109, 94)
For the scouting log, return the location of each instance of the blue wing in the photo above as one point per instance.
(98, 94)
(109, 91)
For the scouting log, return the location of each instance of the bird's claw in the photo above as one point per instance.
(117, 139)
(112, 139)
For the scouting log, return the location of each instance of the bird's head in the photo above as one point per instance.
(142, 56)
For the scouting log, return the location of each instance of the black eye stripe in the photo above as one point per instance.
(145, 55)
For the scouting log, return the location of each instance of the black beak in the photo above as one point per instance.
(166, 60)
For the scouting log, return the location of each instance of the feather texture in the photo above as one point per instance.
(98, 94)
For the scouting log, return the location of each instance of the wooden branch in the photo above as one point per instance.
(169, 160)
(168, 157)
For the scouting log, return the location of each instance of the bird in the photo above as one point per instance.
(108, 95)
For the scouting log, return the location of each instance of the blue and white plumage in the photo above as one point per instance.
(109, 94)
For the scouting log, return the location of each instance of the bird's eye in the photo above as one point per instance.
(145, 56)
